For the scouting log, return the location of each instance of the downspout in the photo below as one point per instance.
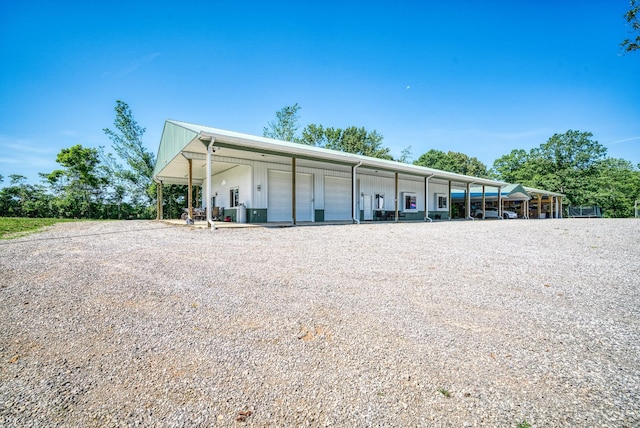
(426, 199)
(353, 191)
(210, 222)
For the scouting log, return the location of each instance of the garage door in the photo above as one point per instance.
(279, 197)
(337, 198)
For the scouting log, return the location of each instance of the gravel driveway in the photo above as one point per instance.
(483, 323)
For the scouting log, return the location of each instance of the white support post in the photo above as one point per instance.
(484, 201)
(210, 222)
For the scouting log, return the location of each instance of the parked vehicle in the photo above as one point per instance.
(493, 213)
(489, 213)
(509, 214)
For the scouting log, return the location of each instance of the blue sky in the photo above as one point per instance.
(482, 78)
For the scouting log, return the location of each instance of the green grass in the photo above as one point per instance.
(444, 392)
(15, 227)
(524, 424)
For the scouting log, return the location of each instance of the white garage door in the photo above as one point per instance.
(279, 203)
(337, 198)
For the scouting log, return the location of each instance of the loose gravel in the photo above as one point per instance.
(464, 324)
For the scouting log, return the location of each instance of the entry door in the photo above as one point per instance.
(304, 197)
(367, 207)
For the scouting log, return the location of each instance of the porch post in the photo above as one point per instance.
(559, 206)
(450, 202)
(467, 204)
(484, 200)
(159, 213)
(539, 205)
(190, 194)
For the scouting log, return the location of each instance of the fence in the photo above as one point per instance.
(586, 212)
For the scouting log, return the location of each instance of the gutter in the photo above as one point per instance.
(211, 140)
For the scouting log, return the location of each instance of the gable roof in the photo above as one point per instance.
(180, 137)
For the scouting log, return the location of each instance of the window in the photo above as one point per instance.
(379, 201)
(442, 202)
(409, 202)
(233, 197)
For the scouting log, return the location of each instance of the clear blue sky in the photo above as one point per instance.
(478, 77)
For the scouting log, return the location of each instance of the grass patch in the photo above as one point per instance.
(16, 227)
(444, 392)
(524, 424)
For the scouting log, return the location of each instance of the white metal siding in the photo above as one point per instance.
(337, 198)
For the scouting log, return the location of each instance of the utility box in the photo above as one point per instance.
(241, 213)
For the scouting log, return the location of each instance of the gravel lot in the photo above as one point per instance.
(445, 324)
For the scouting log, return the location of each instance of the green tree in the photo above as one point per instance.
(358, 141)
(512, 168)
(576, 165)
(285, 126)
(631, 17)
(567, 163)
(80, 184)
(406, 155)
(24, 200)
(137, 175)
(617, 187)
(313, 135)
(453, 162)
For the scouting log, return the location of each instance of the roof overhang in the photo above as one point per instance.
(229, 145)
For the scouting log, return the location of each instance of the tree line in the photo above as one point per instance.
(118, 184)
(96, 183)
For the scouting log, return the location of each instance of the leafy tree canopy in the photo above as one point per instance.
(286, 124)
(574, 164)
(453, 162)
(632, 17)
(350, 140)
(617, 185)
(80, 183)
(358, 141)
(126, 141)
